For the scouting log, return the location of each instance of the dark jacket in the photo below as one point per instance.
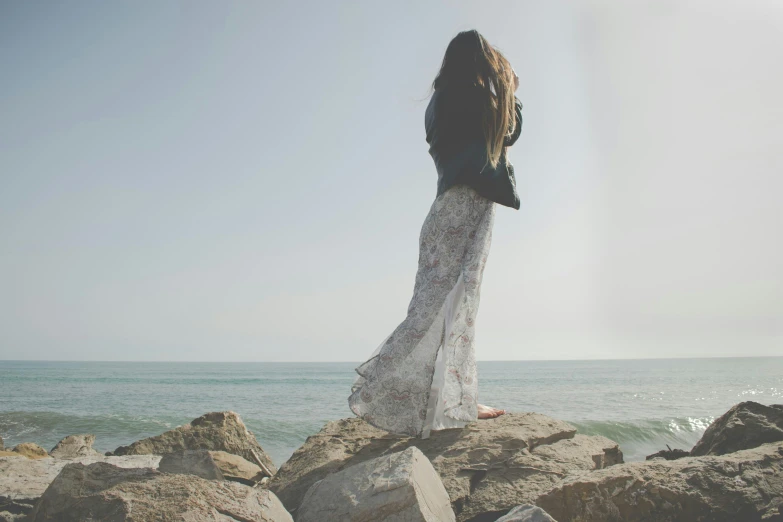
(453, 125)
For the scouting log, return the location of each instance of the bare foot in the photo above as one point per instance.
(488, 412)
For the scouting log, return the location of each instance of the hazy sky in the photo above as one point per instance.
(247, 180)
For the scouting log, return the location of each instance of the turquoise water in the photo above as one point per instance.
(642, 404)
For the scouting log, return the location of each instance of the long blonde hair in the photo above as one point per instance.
(471, 60)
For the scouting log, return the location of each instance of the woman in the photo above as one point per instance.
(423, 375)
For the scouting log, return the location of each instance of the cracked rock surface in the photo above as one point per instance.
(215, 431)
(75, 446)
(23, 481)
(742, 486)
(746, 425)
(487, 468)
(400, 486)
(101, 491)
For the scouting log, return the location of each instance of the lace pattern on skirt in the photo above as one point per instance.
(396, 388)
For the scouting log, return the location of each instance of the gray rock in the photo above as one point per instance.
(581, 452)
(743, 486)
(23, 481)
(487, 468)
(101, 491)
(222, 431)
(74, 446)
(526, 513)
(746, 425)
(402, 486)
(7, 516)
(191, 462)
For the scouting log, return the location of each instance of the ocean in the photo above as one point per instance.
(642, 404)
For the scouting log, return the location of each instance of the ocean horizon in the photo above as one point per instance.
(643, 404)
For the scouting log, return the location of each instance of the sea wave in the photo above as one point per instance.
(637, 438)
(642, 437)
(46, 428)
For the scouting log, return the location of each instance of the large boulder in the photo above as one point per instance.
(400, 486)
(74, 446)
(743, 486)
(30, 450)
(746, 425)
(487, 468)
(23, 481)
(222, 431)
(101, 491)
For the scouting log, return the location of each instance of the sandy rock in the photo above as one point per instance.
(222, 431)
(4, 453)
(526, 513)
(400, 486)
(191, 462)
(74, 446)
(743, 486)
(31, 450)
(746, 425)
(101, 491)
(487, 468)
(236, 468)
(23, 481)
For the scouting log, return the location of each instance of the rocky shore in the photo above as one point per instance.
(518, 467)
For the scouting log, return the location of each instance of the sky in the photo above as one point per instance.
(246, 181)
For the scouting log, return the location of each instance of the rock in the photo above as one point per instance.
(526, 513)
(743, 486)
(7, 516)
(101, 491)
(191, 462)
(74, 446)
(582, 452)
(223, 431)
(399, 486)
(238, 469)
(4, 453)
(487, 468)
(30, 450)
(746, 425)
(2, 446)
(23, 481)
(212, 465)
(669, 454)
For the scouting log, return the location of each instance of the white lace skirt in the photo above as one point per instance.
(423, 376)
